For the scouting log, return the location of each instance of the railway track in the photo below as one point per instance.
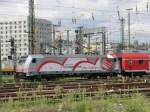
(55, 89)
(75, 81)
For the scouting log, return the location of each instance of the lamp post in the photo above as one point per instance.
(13, 51)
(129, 28)
(0, 55)
(0, 59)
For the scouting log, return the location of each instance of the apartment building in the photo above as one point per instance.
(18, 29)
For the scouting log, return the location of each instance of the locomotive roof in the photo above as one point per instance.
(41, 56)
(130, 55)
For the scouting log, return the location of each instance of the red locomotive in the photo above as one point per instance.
(128, 63)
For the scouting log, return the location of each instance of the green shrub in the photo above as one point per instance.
(72, 103)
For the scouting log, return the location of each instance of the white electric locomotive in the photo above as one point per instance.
(55, 66)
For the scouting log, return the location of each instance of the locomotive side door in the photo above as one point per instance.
(130, 64)
(117, 65)
(149, 64)
(127, 64)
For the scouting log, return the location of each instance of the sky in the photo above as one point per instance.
(89, 13)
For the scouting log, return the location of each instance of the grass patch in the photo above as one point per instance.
(6, 79)
(137, 103)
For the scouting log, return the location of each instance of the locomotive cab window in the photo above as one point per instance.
(21, 62)
(34, 60)
(130, 62)
(141, 62)
(113, 60)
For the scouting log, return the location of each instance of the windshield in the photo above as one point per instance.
(20, 62)
(113, 59)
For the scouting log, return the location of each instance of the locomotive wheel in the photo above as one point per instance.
(17, 78)
(91, 76)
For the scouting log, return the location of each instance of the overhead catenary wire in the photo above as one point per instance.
(64, 7)
(75, 8)
(75, 19)
(81, 8)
